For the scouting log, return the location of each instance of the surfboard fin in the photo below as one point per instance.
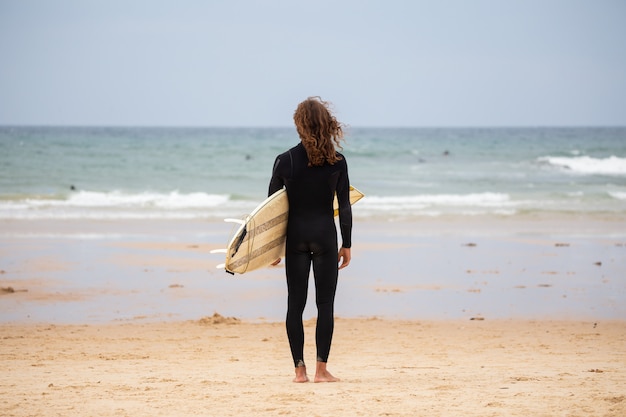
(238, 221)
(223, 266)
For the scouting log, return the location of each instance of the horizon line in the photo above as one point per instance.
(347, 127)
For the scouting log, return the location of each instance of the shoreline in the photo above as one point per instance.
(610, 224)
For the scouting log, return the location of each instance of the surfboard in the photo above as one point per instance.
(260, 238)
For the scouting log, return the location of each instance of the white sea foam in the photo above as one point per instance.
(146, 205)
(437, 204)
(428, 200)
(120, 205)
(173, 200)
(620, 195)
(117, 199)
(588, 165)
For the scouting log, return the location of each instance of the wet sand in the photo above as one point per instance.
(96, 272)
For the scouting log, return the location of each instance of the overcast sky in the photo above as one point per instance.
(250, 62)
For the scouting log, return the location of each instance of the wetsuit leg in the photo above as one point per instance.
(297, 265)
(325, 271)
(319, 249)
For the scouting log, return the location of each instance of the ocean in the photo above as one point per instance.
(405, 173)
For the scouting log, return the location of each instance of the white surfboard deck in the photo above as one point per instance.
(260, 239)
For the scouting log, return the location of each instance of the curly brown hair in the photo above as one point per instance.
(319, 131)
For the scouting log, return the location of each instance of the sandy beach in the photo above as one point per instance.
(480, 318)
(217, 367)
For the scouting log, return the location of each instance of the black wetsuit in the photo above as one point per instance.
(312, 239)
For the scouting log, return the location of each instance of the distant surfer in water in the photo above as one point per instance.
(313, 171)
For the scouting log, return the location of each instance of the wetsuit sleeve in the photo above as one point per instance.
(345, 209)
(277, 181)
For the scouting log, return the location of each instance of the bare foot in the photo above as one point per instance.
(301, 375)
(322, 374)
(326, 377)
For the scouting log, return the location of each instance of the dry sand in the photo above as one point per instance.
(221, 367)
